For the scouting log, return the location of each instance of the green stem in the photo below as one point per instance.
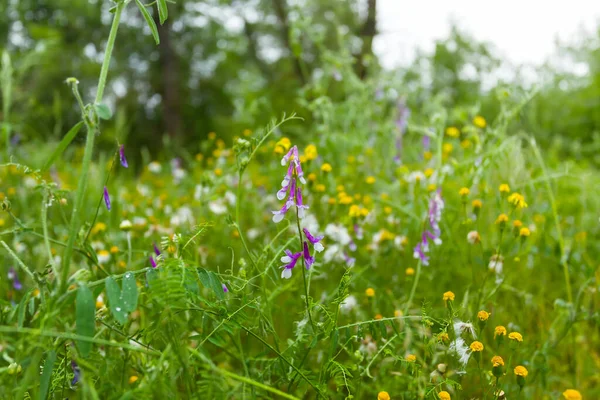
(45, 231)
(89, 148)
(304, 271)
(110, 44)
(414, 288)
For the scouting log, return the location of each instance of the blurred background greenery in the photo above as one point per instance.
(226, 66)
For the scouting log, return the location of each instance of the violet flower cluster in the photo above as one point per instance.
(432, 232)
(290, 188)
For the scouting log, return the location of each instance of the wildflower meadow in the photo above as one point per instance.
(346, 232)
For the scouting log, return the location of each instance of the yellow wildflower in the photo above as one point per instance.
(133, 379)
(572, 394)
(483, 315)
(500, 331)
(383, 396)
(410, 271)
(326, 167)
(443, 395)
(452, 131)
(497, 361)
(411, 358)
(502, 218)
(464, 191)
(479, 122)
(524, 232)
(521, 371)
(515, 336)
(311, 152)
(477, 203)
(370, 292)
(476, 346)
(448, 296)
(504, 188)
(320, 187)
(370, 180)
(517, 200)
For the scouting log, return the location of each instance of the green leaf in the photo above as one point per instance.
(151, 277)
(210, 280)
(130, 293)
(85, 318)
(47, 374)
(149, 21)
(115, 300)
(22, 309)
(163, 11)
(103, 111)
(64, 143)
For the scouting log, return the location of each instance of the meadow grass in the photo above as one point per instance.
(437, 256)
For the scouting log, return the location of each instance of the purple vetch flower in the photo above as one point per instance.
(278, 215)
(122, 156)
(349, 260)
(314, 240)
(156, 249)
(152, 262)
(76, 373)
(293, 152)
(289, 184)
(299, 204)
(426, 143)
(106, 198)
(433, 232)
(420, 254)
(290, 259)
(12, 276)
(225, 289)
(308, 259)
(352, 246)
(358, 231)
(401, 124)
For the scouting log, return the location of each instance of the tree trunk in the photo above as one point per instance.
(368, 32)
(169, 83)
(280, 7)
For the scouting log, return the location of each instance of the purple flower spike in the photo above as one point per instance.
(308, 259)
(12, 276)
(153, 262)
(314, 240)
(225, 289)
(122, 156)
(106, 198)
(278, 215)
(76, 373)
(156, 249)
(299, 204)
(293, 152)
(290, 259)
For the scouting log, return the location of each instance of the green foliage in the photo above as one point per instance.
(91, 310)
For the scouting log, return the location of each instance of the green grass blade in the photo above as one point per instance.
(149, 21)
(62, 145)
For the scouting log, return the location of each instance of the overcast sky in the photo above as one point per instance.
(523, 31)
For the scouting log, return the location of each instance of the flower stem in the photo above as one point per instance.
(89, 147)
(414, 288)
(304, 271)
